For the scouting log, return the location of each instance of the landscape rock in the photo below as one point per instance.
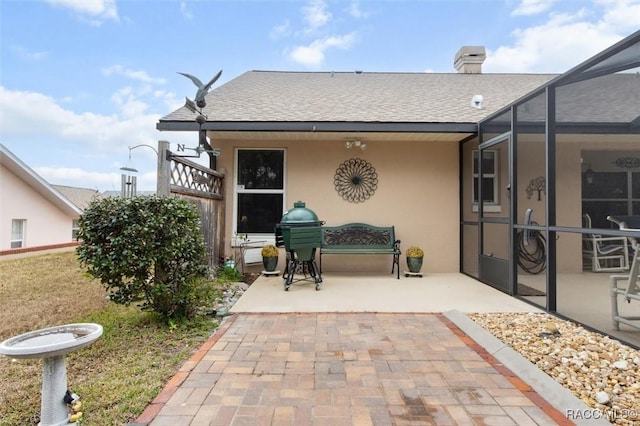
(599, 370)
(602, 398)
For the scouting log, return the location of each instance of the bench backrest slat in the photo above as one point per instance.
(357, 235)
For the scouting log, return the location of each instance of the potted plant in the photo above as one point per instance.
(414, 259)
(270, 257)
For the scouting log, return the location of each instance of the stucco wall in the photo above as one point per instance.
(531, 164)
(46, 224)
(417, 193)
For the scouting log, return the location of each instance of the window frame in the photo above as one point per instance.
(75, 227)
(21, 239)
(263, 238)
(489, 205)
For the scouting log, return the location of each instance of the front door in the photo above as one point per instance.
(494, 180)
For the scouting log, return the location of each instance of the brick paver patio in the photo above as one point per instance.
(345, 369)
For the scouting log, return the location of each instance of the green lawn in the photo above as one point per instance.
(118, 375)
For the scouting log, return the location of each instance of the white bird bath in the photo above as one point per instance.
(52, 344)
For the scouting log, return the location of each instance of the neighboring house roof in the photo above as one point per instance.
(275, 98)
(81, 197)
(31, 178)
(109, 194)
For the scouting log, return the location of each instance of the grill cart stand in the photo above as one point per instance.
(303, 257)
(300, 232)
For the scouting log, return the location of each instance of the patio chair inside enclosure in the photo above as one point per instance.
(630, 290)
(604, 253)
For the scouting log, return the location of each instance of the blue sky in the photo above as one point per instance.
(82, 80)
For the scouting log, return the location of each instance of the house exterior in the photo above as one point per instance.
(495, 176)
(33, 214)
(288, 136)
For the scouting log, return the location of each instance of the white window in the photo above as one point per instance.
(75, 227)
(259, 193)
(17, 232)
(489, 180)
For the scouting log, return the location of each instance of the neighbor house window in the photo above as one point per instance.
(259, 191)
(75, 226)
(489, 178)
(17, 233)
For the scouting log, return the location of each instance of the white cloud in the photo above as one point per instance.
(533, 7)
(94, 10)
(280, 31)
(322, 36)
(128, 103)
(621, 15)
(315, 15)
(70, 176)
(137, 75)
(314, 53)
(80, 178)
(28, 54)
(184, 9)
(103, 133)
(90, 140)
(566, 39)
(355, 11)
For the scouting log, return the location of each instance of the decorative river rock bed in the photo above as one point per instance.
(602, 372)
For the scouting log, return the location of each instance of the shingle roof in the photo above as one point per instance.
(278, 96)
(81, 197)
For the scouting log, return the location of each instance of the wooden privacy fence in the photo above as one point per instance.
(201, 185)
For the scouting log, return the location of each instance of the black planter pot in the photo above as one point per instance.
(270, 263)
(414, 264)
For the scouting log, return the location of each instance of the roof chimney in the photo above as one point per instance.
(469, 59)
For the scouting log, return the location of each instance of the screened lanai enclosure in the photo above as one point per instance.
(551, 195)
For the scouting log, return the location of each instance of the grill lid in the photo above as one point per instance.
(299, 214)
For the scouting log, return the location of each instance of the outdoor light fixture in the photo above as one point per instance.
(355, 143)
(589, 175)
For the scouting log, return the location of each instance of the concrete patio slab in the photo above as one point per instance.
(378, 293)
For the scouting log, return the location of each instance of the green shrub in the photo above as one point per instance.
(228, 273)
(146, 250)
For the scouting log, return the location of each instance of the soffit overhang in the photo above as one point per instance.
(326, 130)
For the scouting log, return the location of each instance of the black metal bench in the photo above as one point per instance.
(361, 238)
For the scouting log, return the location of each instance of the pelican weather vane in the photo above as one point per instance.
(203, 89)
(196, 106)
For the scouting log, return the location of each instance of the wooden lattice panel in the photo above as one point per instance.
(190, 177)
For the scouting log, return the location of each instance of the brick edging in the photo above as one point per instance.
(519, 384)
(37, 248)
(174, 383)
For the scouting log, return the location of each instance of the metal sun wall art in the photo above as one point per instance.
(356, 180)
